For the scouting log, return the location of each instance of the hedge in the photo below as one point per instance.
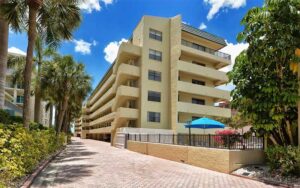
(285, 160)
(22, 150)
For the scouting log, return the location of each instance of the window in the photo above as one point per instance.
(156, 35)
(154, 75)
(197, 63)
(155, 55)
(153, 117)
(198, 101)
(20, 99)
(154, 96)
(198, 82)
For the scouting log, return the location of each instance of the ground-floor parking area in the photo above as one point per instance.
(91, 163)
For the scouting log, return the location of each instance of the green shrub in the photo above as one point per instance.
(4, 117)
(36, 126)
(21, 150)
(284, 159)
(16, 119)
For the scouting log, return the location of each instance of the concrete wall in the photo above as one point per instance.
(220, 160)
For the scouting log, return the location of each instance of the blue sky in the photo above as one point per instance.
(106, 22)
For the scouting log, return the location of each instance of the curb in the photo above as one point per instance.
(267, 181)
(27, 183)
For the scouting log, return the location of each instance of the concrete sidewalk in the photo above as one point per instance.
(90, 163)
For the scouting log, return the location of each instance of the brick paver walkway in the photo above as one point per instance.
(90, 163)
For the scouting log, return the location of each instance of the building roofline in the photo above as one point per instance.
(203, 34)
(101, 81)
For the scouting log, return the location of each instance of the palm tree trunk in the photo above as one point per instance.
(57, 116)
(63, 112)
(33, 9)
(37, 99)
(66, 121)
(3, 58)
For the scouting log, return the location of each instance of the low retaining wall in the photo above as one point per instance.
(220, 160)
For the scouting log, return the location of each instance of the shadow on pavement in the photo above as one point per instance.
(66, 167)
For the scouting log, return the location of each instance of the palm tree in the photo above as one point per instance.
(41, 53)
(53, 19)
(69, 85)
(3, 56)
(16, 63)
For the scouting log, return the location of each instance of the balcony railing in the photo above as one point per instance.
(231, 142)
(205, 49)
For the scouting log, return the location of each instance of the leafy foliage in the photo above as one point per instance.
(227, 137)
(21, 150)
(4, 117)
(66, 84)
(284, 159)
(266, 87)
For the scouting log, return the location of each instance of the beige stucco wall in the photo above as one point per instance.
(220, 160)
(139, 147)
(214, 159)
(170, 152)
(245, 157)
(163, 25)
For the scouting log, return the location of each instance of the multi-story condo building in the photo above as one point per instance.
(14, 95)
(164, 76)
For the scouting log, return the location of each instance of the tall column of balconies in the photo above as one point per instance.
(187, 89)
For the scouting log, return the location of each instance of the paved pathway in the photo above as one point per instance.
(90, 163)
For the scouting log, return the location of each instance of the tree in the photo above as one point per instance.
(266, 87)
(55, 19)
(41, 54)
(67, 85)
(3, 56)
(16, 63)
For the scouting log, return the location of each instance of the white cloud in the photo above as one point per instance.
(202, 26)
(111, 50)
(234, 50)
(185, 22)
(90, 5)
(227, 87)
(107, 2)
(16, 51)
(83, 47)
(216, 5)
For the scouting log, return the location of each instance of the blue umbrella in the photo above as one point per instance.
(203, 123)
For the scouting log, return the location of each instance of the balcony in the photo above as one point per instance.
(105, 96)
(103, 108)
(105, 118)
(102, 89)
(123, 115)
(203, 110)
(101, 130)
(125, 93)
(218, 76)
(126, 72)
(221, 59)
(129, 48)
(195, 89)
(128, 113)
(126, 52)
